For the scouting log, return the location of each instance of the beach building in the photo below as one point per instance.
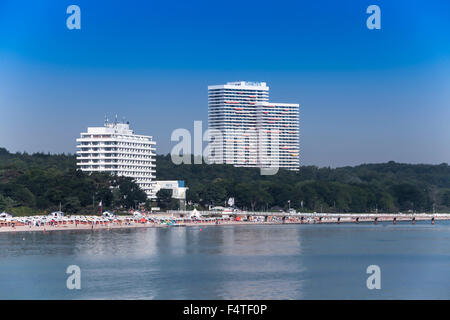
(178, 190)
(116, 149)
(255, 132)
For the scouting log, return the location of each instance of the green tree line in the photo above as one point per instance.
(386, 187)
(32, 183)
(40, 183)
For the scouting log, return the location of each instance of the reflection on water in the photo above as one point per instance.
(229, 262)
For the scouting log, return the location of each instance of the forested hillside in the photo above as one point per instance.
(38, 182)
(389, 186)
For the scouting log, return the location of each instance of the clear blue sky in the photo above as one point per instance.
(365, 95)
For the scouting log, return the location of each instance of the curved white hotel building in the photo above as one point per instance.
(255, 132)
(114, 148)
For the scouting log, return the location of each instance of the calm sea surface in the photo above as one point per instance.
(230, 262)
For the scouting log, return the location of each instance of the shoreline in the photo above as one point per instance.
(70, 227)
(136, 225)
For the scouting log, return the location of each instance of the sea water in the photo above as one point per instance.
(322, 261)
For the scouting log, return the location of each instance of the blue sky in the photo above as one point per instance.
(365, 95)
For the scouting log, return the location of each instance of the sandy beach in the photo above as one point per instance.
(72, 227)
(320, 219)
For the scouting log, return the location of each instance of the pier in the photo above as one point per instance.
(338, 218)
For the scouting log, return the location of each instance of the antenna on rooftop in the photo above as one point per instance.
(115, 120)
(106, 119)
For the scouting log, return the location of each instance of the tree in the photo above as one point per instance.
(6, 202)
(410, 197)
(446, 198)
(165, 200)
(38, 182)
(130, 193)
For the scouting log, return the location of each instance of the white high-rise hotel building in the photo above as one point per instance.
(255, 132)
(114, 148)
